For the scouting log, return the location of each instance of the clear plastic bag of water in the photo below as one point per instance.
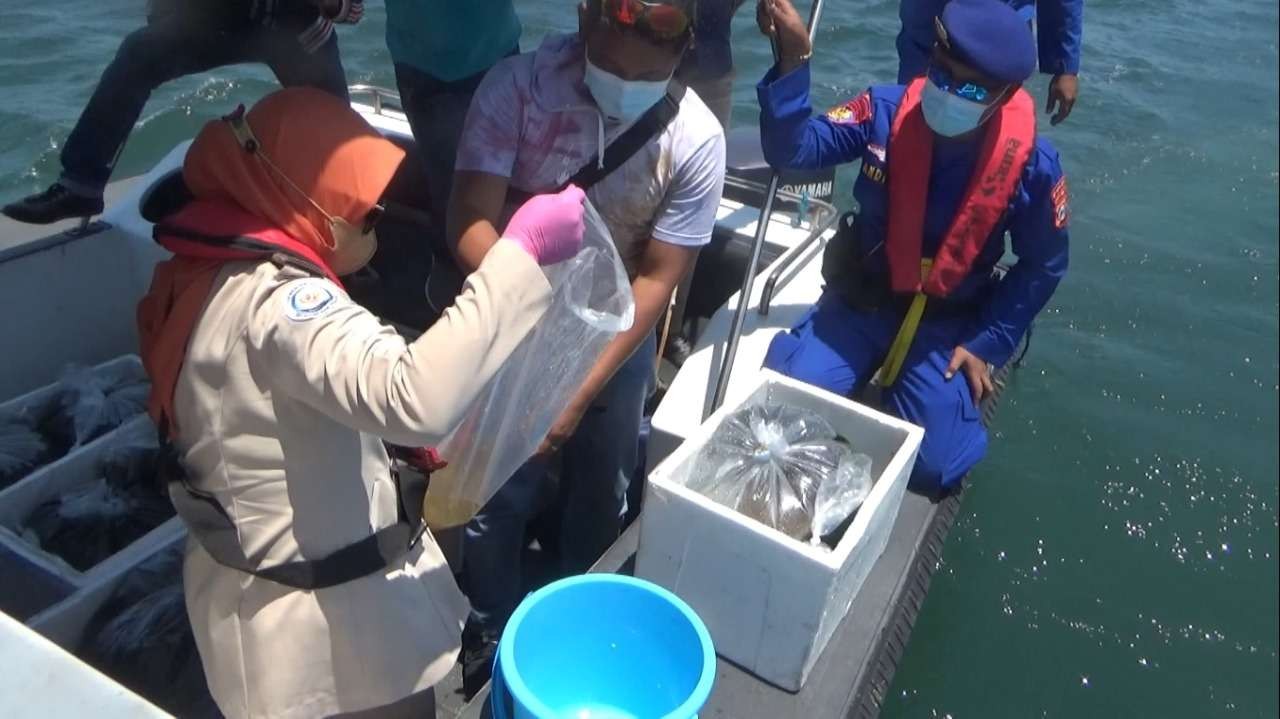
(840, 497)
(592, 303)
(783, 466)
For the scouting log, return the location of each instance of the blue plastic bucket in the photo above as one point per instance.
(603, 646)
(499, 697)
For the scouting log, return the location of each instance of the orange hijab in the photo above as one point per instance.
(320, 144)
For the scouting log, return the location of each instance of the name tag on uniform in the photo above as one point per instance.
(873, 163)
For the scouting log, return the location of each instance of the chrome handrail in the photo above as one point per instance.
(787, 260)
(744, 184)
(748, 279)
(381, 96)
(822, 217)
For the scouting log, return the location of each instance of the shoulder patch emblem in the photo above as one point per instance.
(1061, 207)
(853, 112)
(308, 299)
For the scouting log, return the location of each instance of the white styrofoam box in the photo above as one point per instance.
(771, 602)
(78, 467)
(64, 624)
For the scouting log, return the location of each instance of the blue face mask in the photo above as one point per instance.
(950, 115)
(620, 99)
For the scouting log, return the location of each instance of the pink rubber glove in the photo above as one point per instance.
(549, 227)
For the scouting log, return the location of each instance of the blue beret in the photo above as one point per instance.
(990, 36)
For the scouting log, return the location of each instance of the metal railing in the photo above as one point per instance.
(381, 97)
(748, 279)
(822, 216)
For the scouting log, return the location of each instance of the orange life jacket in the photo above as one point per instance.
(1008, 139)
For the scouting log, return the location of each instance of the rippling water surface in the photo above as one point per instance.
(1118, 552)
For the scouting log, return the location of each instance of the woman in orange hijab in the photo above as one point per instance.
(311, 586)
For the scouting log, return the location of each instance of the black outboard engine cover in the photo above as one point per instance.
(744, 159)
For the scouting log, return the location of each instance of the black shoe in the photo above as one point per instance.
(478, 649)
(55, 203)
(678, 350)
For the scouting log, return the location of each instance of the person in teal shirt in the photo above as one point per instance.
(441, 52)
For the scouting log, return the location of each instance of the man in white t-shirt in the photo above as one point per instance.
(535, 121)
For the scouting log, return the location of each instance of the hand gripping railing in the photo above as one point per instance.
(748, 279)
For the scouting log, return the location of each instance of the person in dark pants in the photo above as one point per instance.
(295, 38)
(707, 69)
(441, 53)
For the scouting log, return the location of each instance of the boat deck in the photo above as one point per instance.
(854, 672)
(856, 668)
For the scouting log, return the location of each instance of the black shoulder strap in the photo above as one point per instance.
(208, 521)
(625, 146)
(246, 244)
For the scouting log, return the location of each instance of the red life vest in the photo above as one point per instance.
(221, 231)
(1006, 147)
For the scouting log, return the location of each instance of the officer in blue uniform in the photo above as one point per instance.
(1059, 24)
(965, 322)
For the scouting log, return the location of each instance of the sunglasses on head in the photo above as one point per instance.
(658, 20)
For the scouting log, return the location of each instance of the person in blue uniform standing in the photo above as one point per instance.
(950, 163)
(1059, 26)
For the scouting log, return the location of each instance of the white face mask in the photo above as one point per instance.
(352, 249)
(620, 99)
(948, 114)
